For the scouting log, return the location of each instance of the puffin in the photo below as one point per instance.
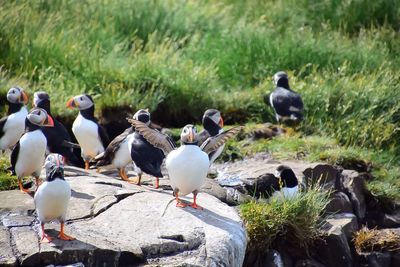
(288, 182)
(117, 154)
(12, 126)
(287, 104)
(147, 157)
(52, 197)
(58, 138)
(213, 124)
(28, 155)
(91, 136)
(188, 165)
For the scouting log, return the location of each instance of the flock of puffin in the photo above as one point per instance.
(33, 135)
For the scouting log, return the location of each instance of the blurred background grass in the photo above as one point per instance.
(179, 58)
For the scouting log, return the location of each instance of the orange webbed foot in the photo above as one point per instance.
(181, 204)
(195, 206)
(157, 183)
(65, 237)
(46, 238)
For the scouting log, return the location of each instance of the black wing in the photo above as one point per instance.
(2, 123)
(14, 157)
(105, 140)
(154, 137)
(287, 102)
(147, 157)
(213, 143)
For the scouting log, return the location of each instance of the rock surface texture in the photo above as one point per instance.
(119, 224)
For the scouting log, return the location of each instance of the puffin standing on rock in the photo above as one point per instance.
(117, 154)
(287, 104)
(52, 197)
(58, 138)
(12, 126)
(92, 137)
(187, 165)
(212, 123)
(28, 155)
(146, 156)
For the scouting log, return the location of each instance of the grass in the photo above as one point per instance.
(7, 182)
(294, 221)
(179, 58)
(368, 240)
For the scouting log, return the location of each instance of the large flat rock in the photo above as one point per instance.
(120, 224)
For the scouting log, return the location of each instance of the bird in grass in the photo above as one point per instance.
(52, 198)
(287, 104)
(12, 126)
(91, 136)
(187, 166)
(28, 155)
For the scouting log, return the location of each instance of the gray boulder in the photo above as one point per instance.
(339, 203)
(347, 222)
(334, 251)
(355, 187)
(117, 223)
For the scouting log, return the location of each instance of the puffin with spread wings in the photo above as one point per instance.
(187, 166)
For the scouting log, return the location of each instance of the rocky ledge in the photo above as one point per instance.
(120, 224)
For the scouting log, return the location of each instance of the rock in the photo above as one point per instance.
(391, 220)
(325, 175)
(346, 221)
(117, 223)
(267, 131)
(376, 259)
(339, 203)
(270, 258)
(334, 251)
(395, 259)
(308, 263)
(262, 186)
(7, 257)
(355, 187)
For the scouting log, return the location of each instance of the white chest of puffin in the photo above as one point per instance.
(12, 126)
(117, 154)
(52, 198)
(92, 137)
(187, 165)
(187, 168)
(28, 155)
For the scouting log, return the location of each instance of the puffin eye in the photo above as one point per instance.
(81, 98)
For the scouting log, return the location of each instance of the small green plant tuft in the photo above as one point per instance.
(294, 220)
(7, 182)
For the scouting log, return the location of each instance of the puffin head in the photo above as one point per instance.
(142, 115)
(214, 115)
(281, 79)
(17, 95)
(287, 176)
(54, 166)
(81, 102)
(189, 134)
(39, 117)
(41, 100)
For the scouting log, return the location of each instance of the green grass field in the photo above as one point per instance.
(178, 58)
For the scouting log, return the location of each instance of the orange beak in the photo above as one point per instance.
(191, 136)
(71, 103)
(48, 122)
(24, 97)
(221, 122)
